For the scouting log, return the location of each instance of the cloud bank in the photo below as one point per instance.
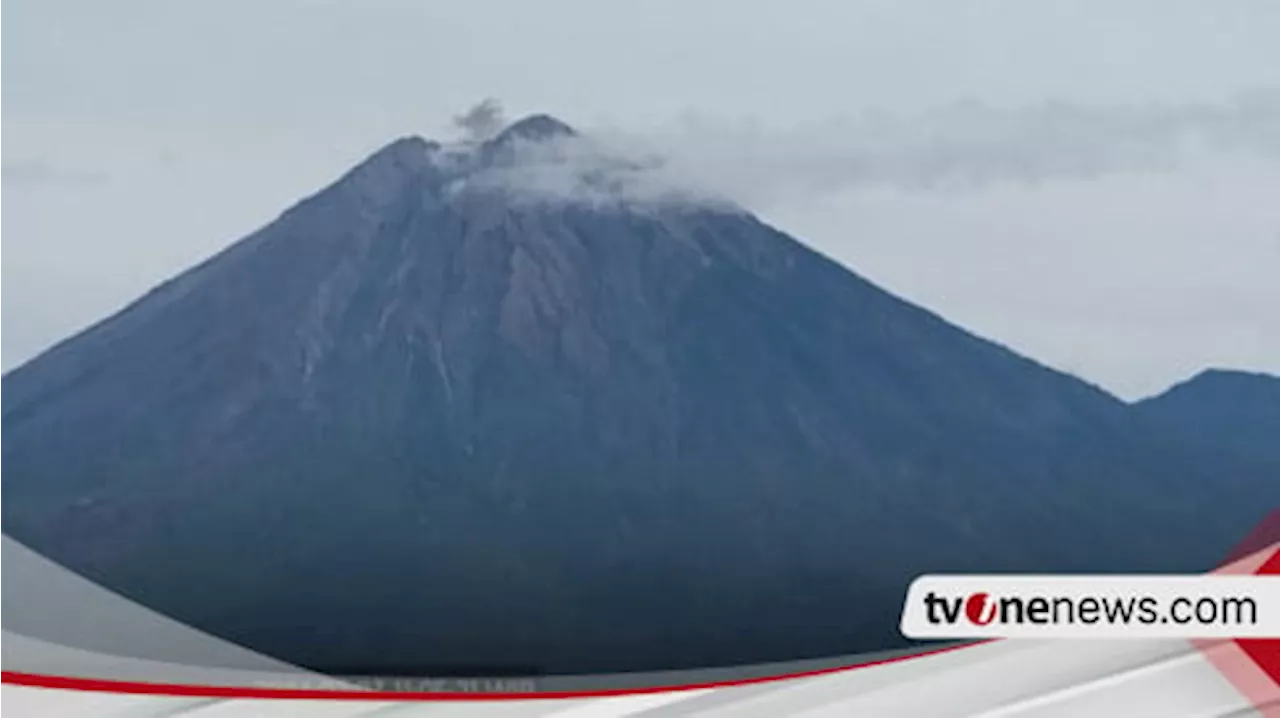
(964, 145)
(40, 173)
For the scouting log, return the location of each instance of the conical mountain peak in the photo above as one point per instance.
(406, 146)
(383, 174)
(536, 128)
(408, 153)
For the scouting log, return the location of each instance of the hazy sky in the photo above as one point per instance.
(1096, 184)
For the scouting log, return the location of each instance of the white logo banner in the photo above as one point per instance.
(1112, 606)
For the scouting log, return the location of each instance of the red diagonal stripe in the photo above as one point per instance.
(1266, 651)
(1262, 536)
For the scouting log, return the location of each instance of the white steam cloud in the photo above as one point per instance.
(954, 147)
(594, 170)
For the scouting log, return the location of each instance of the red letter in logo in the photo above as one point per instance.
(979, 610)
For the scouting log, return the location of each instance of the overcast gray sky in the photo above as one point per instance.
(1093, 183)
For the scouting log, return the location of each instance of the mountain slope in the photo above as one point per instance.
(421, 423)
(1232, 410)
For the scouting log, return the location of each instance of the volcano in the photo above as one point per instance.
(436, 419)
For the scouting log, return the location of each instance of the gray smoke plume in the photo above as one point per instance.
(484, 120)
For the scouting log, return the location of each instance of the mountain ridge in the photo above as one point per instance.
(1231, 409)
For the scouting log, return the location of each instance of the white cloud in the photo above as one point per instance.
(958, 146)
(587, 169)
